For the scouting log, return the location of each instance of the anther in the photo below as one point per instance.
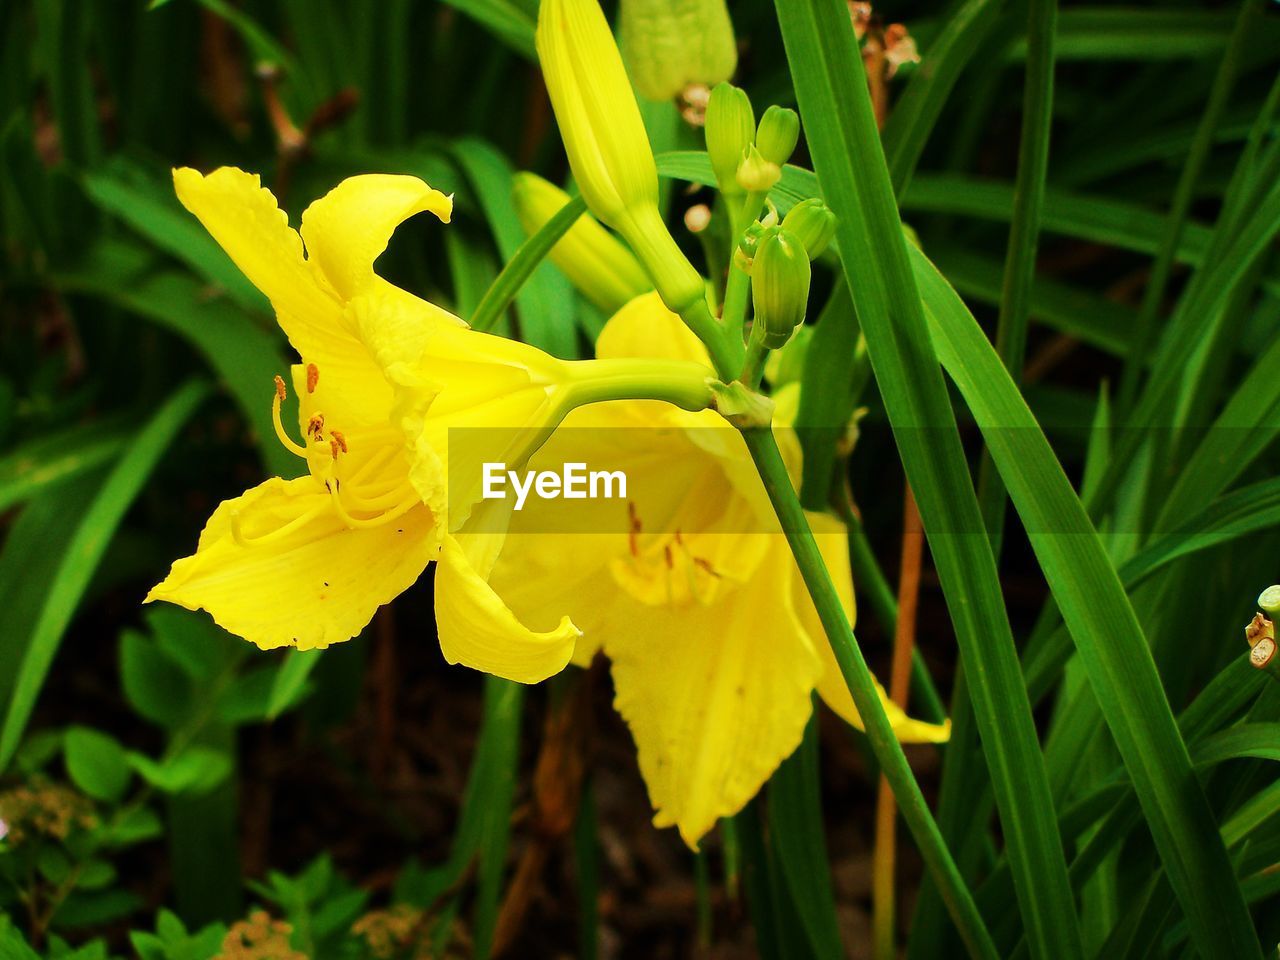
(338, 441)
(315, 426)
(705, 565)
(313, 377)
(633, 531)
(281, 393)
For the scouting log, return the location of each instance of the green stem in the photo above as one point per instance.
(1024, 234)
(725, 347)
(753, 369)
(520, 267)
(681, 382)
(893, 762)
(734, 314)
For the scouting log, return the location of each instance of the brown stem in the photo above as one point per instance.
(904, 636)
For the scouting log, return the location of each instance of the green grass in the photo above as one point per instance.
(1071, 356)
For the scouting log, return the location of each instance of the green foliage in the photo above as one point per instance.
(1095, 188)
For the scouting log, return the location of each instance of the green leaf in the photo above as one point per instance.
(245, 355)
(917, 110)
(95, 875)
(290, 685)
(1102, 624)
(133, 825)
(96, 764)
(840, 127)
(796, 835)
(93, 534)
(51, 458)
(34, 548)
(545, 296)
(248, 698)
(152, 209)
(511, 22)
(154, 685)
(194, 770)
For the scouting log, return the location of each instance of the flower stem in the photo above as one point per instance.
(681, 382)
(723, 344)
(857, 676)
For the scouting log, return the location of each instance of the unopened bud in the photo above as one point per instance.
(813, 224)
(780, 276)
(697, 218)
(778, 133)
(668, 46)
(731, 124)
(756, 172)
(604, 135)
(1269, 601)
(594, 260)
(745, 252)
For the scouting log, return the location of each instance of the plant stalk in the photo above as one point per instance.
(857, 676)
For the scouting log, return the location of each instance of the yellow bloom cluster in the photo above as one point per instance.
(715, 646)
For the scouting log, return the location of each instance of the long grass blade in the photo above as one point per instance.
(90, 541)
(840, 126)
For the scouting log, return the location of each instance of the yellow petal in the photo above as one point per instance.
(245, 220)
(243, 217)
(716, 696)
(346, 230)
(832, 541)
(317, 583)
(461, 395)
(478, 630)
(646, 328)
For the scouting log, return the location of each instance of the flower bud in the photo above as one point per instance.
(813, 224)
(780, 276)
(745, 252)
(668, 46)
(756, 173)
(778, 133)
(731, 124)
(606, 142)
(593, 259)
(599, 120)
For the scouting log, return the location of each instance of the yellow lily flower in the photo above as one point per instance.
(689, 589)
(383, 380)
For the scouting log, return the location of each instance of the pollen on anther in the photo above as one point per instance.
(280, 391)
(338, 441)
(315, 425)
(313, 377)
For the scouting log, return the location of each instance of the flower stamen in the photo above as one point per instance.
(286, 441)
(313, 377)
(399, 510)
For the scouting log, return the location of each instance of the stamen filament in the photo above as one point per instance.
(385, 517)
(375, 462)
(297, 523)
(383, 501)
(287, 441)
